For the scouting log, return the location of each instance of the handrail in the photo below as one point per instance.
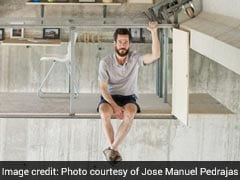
(7, 19)
(107, 26)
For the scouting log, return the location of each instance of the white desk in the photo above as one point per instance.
(32, 42)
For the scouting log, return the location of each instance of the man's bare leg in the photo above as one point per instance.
(130, 110)
(106, 112)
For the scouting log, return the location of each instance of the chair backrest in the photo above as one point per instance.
(69, 45)
(68, 49)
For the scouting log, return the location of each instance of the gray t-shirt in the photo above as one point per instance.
(122, 79)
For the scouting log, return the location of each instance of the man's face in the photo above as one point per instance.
(122, 45)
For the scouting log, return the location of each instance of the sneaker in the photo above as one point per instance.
(112, 155)
(109, 154)
(118, 157)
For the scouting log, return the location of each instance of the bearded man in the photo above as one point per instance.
(118, 74)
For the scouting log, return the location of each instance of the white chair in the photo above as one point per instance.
(56, 58)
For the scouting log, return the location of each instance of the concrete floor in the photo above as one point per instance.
(84, 106)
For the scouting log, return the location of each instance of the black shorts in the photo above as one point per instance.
(121, 101)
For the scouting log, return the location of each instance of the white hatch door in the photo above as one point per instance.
(180, 96)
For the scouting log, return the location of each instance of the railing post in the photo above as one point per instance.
(72, 70)
(165, 63)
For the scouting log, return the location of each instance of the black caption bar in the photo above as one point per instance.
(130, 170)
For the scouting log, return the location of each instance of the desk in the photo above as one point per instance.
(32, 42)
(73, 3)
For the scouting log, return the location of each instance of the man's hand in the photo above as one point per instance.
(152, 26)
(118, 111)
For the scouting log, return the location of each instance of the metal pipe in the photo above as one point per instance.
(66, 19)
(161, 64)
(165, 65)
(107, 26)
(159, 80)
(72, 70)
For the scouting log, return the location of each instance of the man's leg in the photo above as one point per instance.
(106, 112)
(130, 110)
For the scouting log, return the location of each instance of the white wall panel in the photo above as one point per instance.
(180, 99)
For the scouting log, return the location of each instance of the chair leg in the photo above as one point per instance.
(45, 78)
(76, 89)
(68, 73)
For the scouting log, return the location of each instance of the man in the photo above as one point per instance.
(118, 74)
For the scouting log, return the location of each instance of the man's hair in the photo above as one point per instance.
(122, 31)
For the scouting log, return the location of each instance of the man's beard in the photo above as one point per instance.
(122, 52)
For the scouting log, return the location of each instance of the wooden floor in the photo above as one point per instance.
(17, 105)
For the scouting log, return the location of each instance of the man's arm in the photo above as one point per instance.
(149, 58)
(118, 111)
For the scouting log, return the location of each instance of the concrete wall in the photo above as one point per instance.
(207, 76)
(209, 137)
(22, 71)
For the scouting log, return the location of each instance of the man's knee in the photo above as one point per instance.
(105, 111)
(130, 111)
